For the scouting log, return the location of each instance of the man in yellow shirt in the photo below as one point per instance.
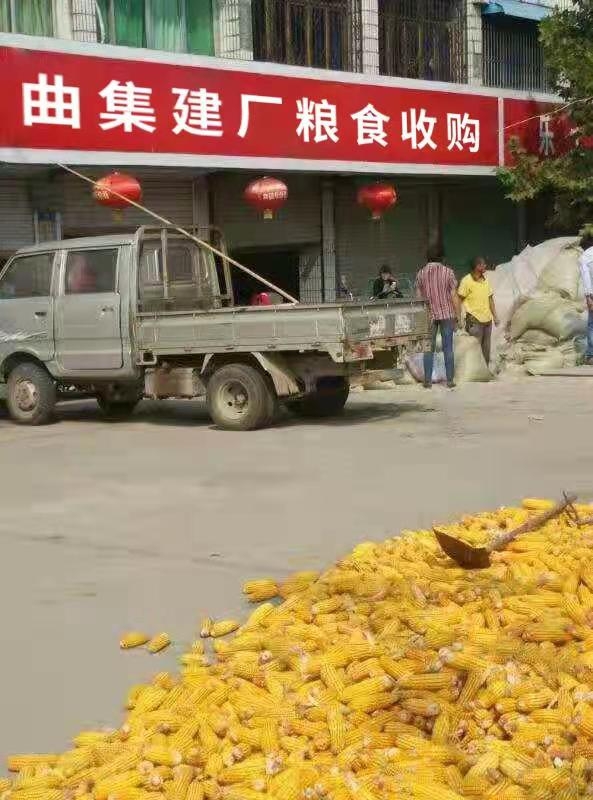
(478, 301)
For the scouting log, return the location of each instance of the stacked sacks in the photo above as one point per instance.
(518, 279)
(470, 365)
(541, 307)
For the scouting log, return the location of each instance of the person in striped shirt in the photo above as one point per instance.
(437, 285)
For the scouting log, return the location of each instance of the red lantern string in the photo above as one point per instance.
(377, 197)
(267, 195)
(117, 191)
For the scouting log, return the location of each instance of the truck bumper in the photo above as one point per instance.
(400, 346)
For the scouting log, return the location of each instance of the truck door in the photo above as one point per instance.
(27, 307)
(88, 311)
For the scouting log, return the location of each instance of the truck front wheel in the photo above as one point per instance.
(240, 398)
(328, 400)
(32, 394)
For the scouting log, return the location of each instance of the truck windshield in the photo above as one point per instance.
(184, 280)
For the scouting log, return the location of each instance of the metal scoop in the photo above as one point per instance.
(470, 557)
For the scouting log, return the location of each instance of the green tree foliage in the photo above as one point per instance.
(567, 39)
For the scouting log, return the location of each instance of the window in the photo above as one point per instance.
(513, 57)
(190, 281)
(34, 17)
(28, 276)
(178, 26)
(423, 39)
(90, 271)
(309, 33)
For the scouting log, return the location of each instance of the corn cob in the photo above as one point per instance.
(331, 678)
(252, 769)
(258, 615)
(17, 763)
(366, 687)
(162, 755)
(474, 681)
(114, 784)
(421, 707)
(337, 729)
(149, 699)
(133, 639)
(223, 627)
(195, 790)
(262, 589)
(433, 682)
(43, 794)
(533, 700)
(243, 793)
(158, 643)
(537, 504)
(269, 737)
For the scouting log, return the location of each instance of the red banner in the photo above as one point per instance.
(65, 101)
(538, 128)
(73, 103)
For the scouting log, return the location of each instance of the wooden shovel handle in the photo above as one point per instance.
(532, 524)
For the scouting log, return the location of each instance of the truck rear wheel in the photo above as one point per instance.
(31, 397)
(327, 401)
(240, 398)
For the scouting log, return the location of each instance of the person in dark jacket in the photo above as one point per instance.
(385, 286)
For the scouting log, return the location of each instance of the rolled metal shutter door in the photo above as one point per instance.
(16, 216)
(399, 239)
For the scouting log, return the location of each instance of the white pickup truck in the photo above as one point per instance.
(152, 314)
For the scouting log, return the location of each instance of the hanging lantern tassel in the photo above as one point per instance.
(127, 188)
(267, 195)
(377, 197)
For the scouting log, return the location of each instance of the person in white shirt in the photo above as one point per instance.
(586, 265)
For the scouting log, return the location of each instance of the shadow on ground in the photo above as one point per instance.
(192, 413)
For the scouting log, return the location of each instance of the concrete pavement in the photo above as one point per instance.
(155, 522)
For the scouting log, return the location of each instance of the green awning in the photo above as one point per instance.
(516, 8)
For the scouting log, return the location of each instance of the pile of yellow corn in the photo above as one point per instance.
(395, 674)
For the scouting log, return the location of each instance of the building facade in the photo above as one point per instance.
(450, 79)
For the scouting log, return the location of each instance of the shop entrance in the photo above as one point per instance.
(278, 266)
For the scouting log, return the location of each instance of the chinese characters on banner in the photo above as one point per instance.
(63, 101)
(198, 112)
(537, 129)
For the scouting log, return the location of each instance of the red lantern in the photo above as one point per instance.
(125, 185)
(266, 195)
(377, 197)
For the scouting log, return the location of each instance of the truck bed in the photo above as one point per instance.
(349, 332)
